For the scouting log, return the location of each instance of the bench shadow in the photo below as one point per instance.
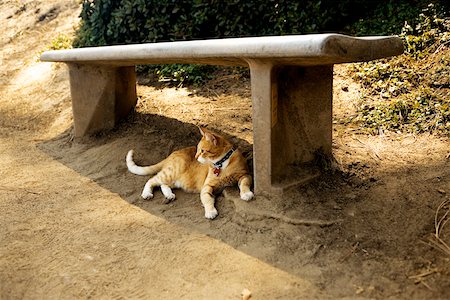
(311, 232)
(240, 224)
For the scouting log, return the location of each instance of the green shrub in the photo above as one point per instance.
(109, 22)
(389, 17)
(409, 93)
(178, 73)
(431, 29)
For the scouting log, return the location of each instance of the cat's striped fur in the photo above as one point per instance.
(194, 170)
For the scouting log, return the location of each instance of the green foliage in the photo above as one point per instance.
(387, 18)
(418, 112)
(410, 92)
(179, 73)
(62, 41)
(407, 93)
(431, 30)
(109, 22)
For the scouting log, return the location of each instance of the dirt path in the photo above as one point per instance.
(73, 225)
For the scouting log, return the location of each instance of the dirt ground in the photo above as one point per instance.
(73, 225)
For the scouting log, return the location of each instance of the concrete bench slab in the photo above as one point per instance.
(291, 83)
(303, 50)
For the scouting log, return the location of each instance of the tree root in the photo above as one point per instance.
(259, 215)
(251, 213)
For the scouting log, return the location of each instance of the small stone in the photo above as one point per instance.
(246, 294)
(350, 196)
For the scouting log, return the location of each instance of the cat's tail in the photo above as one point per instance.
(138, 170)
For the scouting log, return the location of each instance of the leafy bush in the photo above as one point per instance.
(409, 92)
(431, 30)
(109, 22)
(389, 17)
(179, 73)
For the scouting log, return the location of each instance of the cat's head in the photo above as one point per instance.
(212, 147)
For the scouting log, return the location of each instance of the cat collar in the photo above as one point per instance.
(218, 165)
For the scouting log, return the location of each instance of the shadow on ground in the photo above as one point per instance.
(351, 233)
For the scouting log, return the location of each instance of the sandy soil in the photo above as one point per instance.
(73, 225)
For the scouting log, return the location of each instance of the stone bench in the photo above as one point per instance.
(291, 85)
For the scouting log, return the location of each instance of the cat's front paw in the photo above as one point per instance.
(168, 198)
(247, 196)
(146, 194)
(211, 214)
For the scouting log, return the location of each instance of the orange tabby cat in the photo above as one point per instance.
(214, 165)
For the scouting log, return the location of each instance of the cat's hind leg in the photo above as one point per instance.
(168, 194)
(245, 183)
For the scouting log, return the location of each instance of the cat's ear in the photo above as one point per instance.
(202, 130)
(210, 137)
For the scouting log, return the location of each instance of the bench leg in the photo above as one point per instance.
(292, 121)
(101, 96)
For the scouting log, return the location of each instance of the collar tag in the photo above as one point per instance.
(216, 171)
